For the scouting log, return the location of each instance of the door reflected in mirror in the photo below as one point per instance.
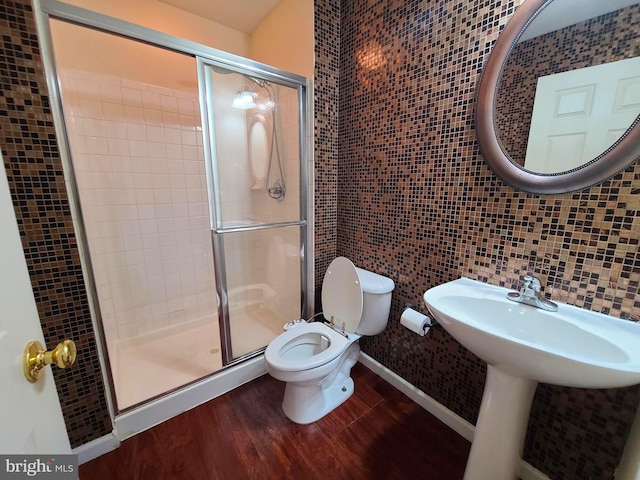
(568, 90)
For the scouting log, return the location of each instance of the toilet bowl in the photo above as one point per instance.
(315, 359)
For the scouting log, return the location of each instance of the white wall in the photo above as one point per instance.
(138, 157)
(173, 21)
(287, 125)
(267, 257)
(88, 50)
(230, 147)
(285, 39)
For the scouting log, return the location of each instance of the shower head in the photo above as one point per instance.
(245, 99)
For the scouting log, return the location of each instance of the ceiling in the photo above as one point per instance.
(241, 15)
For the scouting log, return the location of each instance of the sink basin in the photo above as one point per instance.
(572, 347)
(524, 345)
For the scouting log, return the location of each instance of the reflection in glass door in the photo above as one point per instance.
(259, 210)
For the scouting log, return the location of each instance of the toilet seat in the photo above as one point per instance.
(309, 333)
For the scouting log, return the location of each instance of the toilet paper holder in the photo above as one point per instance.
(415, 321)
(433, 323)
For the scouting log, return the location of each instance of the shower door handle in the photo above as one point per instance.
(35, 358)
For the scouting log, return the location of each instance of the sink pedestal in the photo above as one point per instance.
(500, 432)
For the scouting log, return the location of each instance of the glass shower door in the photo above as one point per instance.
(135, 141)
(258, 209)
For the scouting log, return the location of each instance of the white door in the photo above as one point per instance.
(578, 114)
(30, 414)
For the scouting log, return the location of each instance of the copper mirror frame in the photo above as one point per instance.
(618, 157)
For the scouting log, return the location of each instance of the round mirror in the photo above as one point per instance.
(559, 99)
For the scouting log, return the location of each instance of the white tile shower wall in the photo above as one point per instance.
(283, 272)
(231, 149)
(138, 158)
(266, 270)
(288, 131)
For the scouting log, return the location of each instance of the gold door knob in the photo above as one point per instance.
(36, 357)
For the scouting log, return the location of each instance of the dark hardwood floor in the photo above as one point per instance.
(378, 433)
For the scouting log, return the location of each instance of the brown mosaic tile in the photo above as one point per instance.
(34, 170)
(327, 46)
(417, 202)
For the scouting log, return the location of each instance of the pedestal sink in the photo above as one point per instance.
(523, 346)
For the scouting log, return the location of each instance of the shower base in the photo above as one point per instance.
(149, 365)
(253, 327)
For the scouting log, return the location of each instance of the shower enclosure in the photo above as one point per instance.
(188, 172)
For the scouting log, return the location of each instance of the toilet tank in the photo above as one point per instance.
(376, 302)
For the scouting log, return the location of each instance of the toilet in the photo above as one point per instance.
(315, 359)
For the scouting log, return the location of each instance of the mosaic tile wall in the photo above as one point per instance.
(327, 53)
(618, 36)
(34, 170)
(416, 202)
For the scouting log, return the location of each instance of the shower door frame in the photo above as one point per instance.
(203, 56)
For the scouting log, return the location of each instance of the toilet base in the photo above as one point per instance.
(307, 402)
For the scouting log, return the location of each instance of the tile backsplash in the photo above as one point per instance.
(326, 95)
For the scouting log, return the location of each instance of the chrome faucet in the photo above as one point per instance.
(530, 295)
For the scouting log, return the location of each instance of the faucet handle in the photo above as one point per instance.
(532, 283)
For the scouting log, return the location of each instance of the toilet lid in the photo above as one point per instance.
(342, 295)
